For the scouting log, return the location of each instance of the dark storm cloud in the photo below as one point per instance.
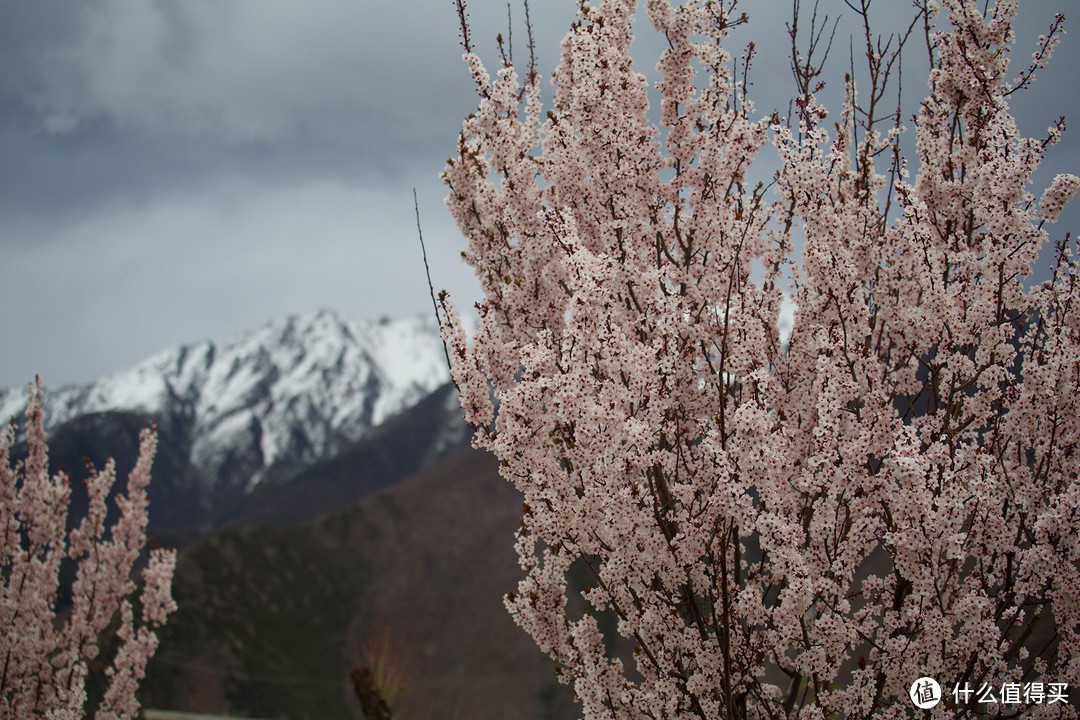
(110, 99)
(241, 71)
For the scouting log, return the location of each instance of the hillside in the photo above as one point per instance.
(269, 618)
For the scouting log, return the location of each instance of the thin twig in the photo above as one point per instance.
(532, 45)
(463, 21)
(427, 271)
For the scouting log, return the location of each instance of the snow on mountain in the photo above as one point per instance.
(291, 392)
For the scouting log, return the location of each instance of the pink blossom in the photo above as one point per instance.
(45, 660)
(792, 529)
(1060, 192)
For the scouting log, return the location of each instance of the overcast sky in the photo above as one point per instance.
(180, 170)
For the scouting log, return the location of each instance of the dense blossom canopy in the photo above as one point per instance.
(46, 651)
(775, 528)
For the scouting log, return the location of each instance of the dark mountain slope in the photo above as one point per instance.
(269, 619)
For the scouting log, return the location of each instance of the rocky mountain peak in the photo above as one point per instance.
(283, 395)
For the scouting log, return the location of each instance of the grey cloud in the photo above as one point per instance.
(242, 71)
(109, 100)
(104, 290)
(358, 73)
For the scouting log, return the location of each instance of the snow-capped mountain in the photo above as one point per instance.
(265, 403)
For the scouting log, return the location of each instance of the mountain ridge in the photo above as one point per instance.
(255, 410)
(353, 374)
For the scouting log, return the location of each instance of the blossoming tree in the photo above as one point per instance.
(776, 528)
(45, 656)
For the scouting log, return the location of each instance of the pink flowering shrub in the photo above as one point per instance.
(777, 528)
(44, 656)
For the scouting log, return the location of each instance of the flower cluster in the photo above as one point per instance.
(773, 528)
(1060, 192)
(46, 654)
